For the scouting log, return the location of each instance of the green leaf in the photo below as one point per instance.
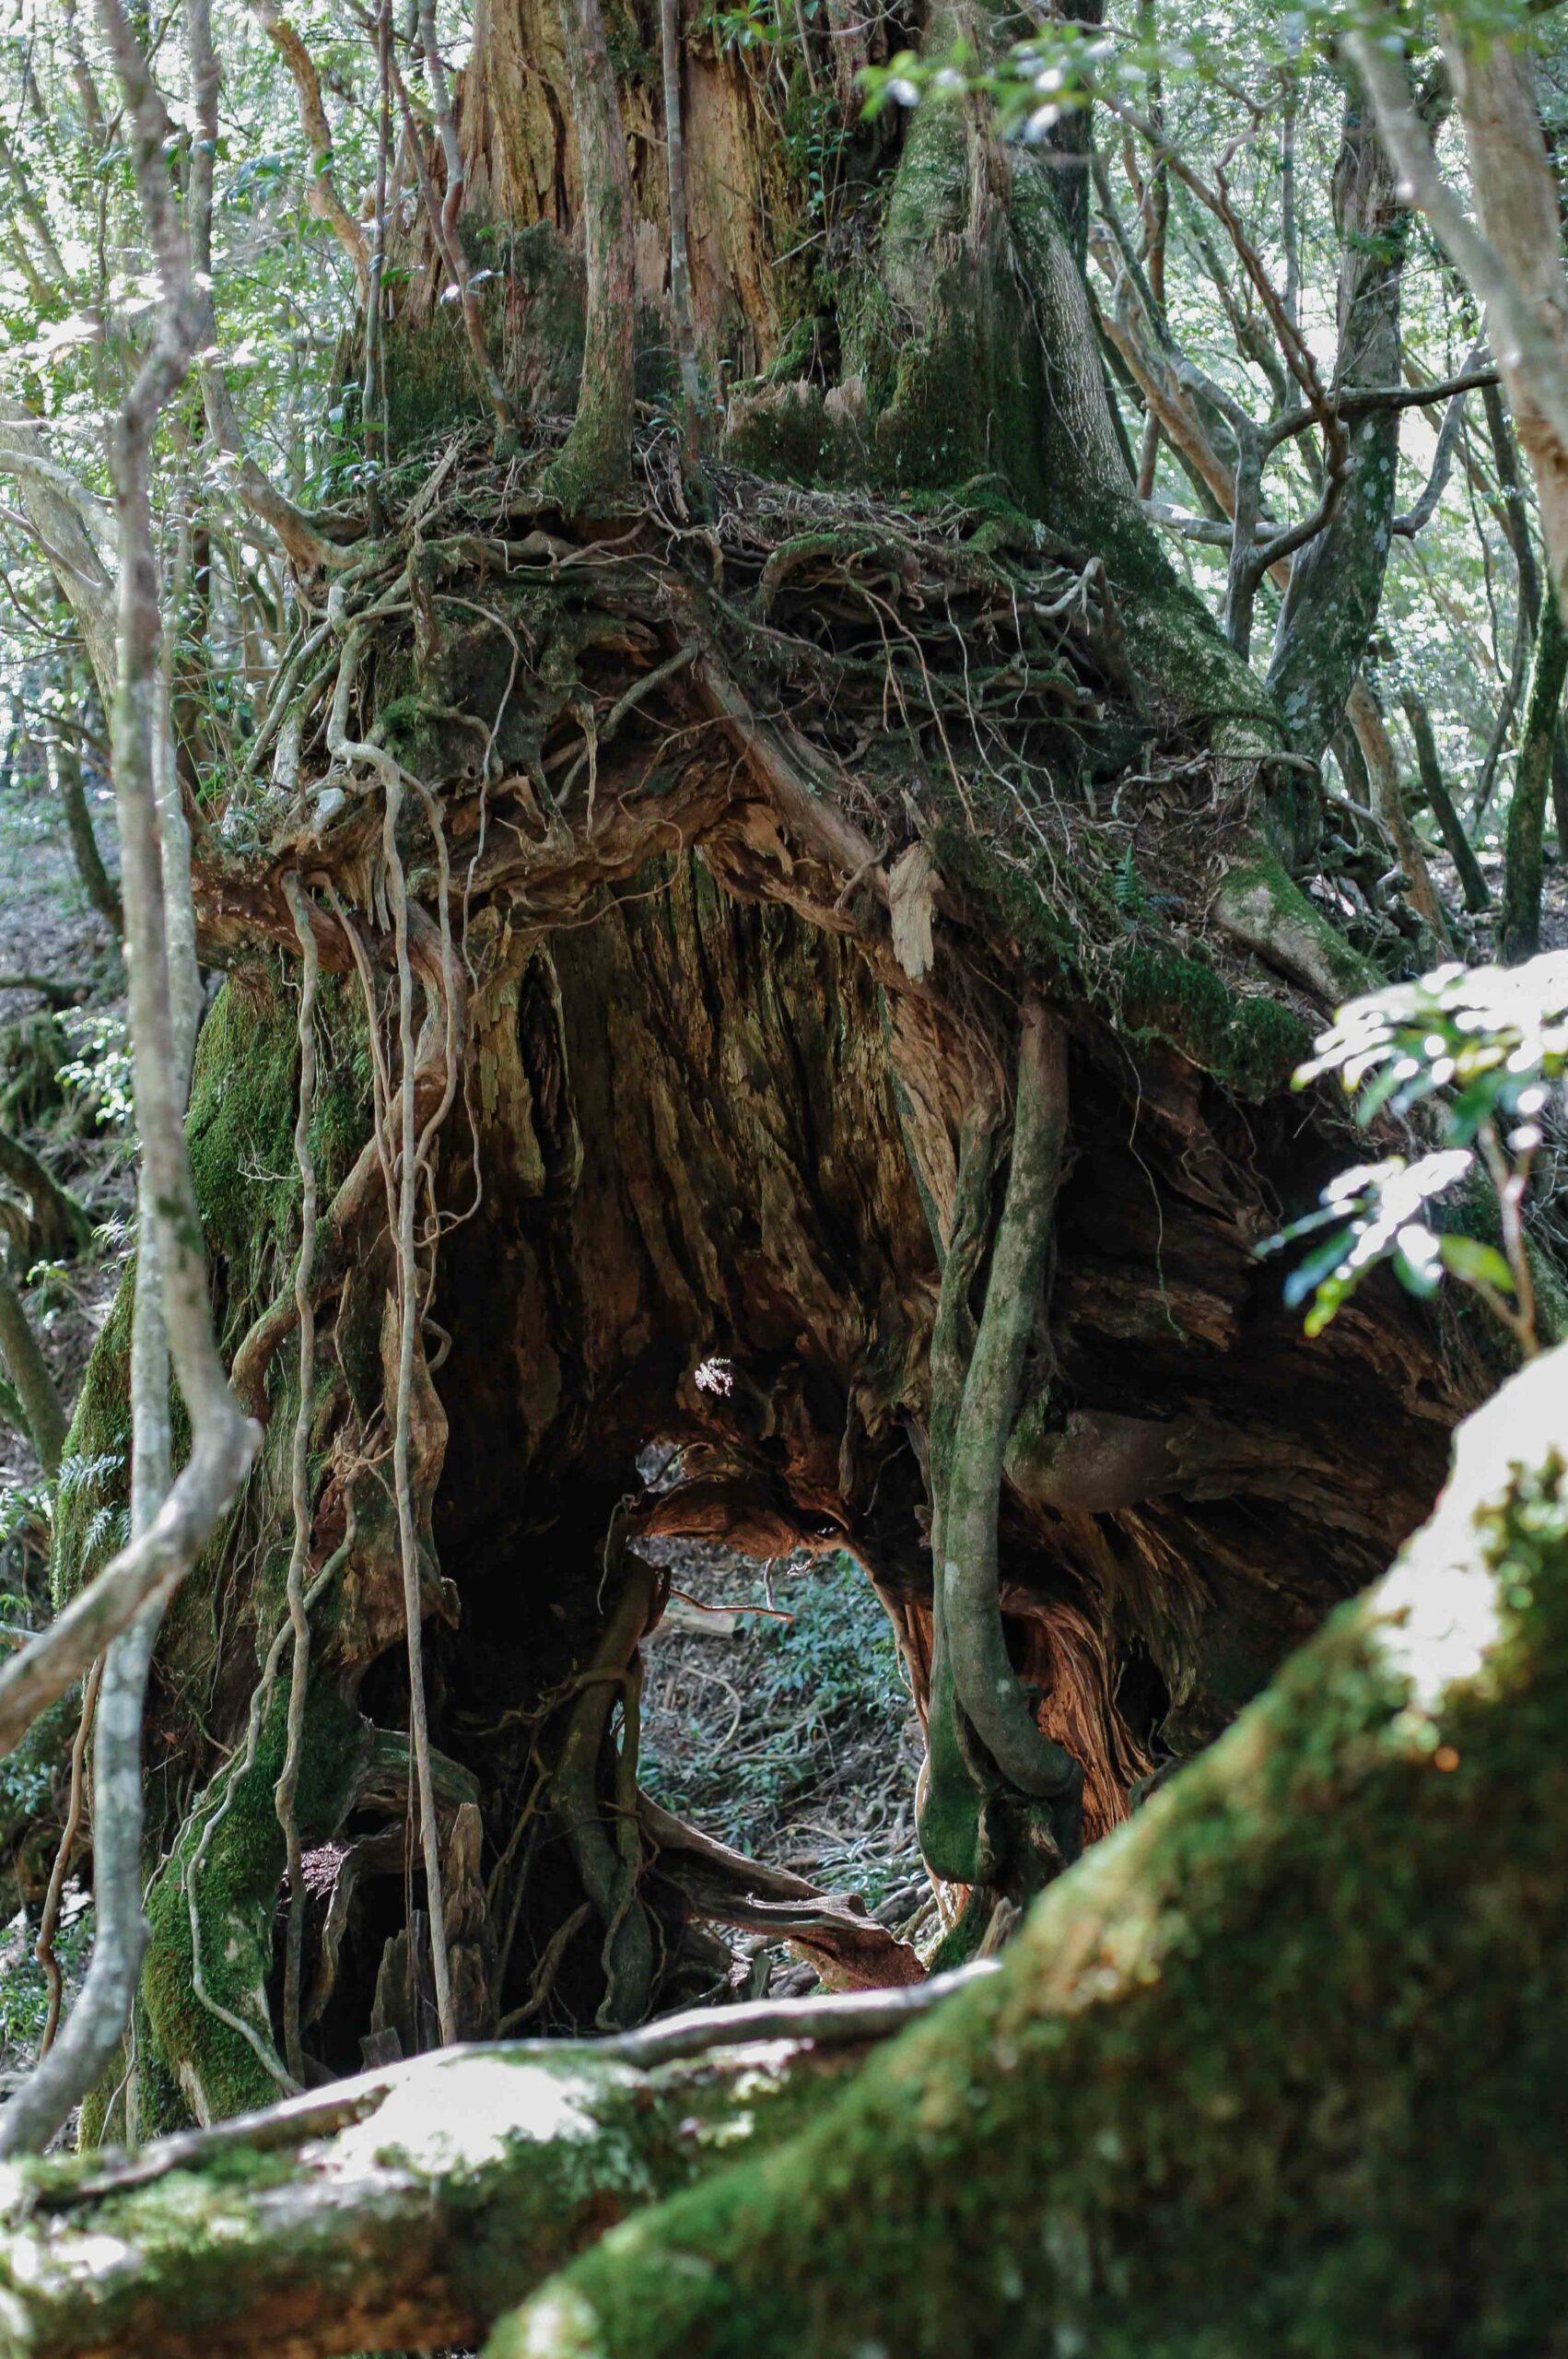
(1476, 1264)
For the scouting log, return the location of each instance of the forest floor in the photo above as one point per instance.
(1554, 899)
(776, 1717)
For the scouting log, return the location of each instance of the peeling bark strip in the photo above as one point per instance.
(408, 2206)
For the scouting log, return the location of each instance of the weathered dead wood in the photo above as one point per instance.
(854, 1952)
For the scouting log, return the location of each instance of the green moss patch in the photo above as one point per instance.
(217, 2070)
(1250, 1043)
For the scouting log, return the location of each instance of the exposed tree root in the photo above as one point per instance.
(972, 1678)
(300, 1487)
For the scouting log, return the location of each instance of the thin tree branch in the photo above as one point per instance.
(321, 193)
(223, 1441)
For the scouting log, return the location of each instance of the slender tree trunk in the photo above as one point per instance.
(96, 881)
(1336, 581)
(671, 49)
(1389, 802)
(1519, 934)
(1435, 788)
(1515, 520)
(597, 457)
(29, 1372)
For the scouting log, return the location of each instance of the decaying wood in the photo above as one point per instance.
(853, 1951)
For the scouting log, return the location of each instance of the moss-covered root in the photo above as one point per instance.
(218, 2047)
(406, 2207)
(1260, 907)
(1266, 2072)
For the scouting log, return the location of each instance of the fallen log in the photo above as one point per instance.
(410, 2205)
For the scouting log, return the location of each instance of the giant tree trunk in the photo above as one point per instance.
(735, 832)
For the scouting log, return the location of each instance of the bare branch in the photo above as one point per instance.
(321, 193)
(1415, 520)
(1512, 260)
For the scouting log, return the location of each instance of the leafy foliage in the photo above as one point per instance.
(1489, 1047)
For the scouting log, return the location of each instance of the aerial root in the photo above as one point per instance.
(408, 1305)
(300, 1481)
(984, 1738)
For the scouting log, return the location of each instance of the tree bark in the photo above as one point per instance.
(1519, 936)
(596, 459)
(1435, 788)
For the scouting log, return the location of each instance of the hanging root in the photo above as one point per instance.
(342, 1226)
(609, 1864)
(984, 1738)
(49, 1923)
(299, 1479)
(408, 1326)
(235, 1777)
